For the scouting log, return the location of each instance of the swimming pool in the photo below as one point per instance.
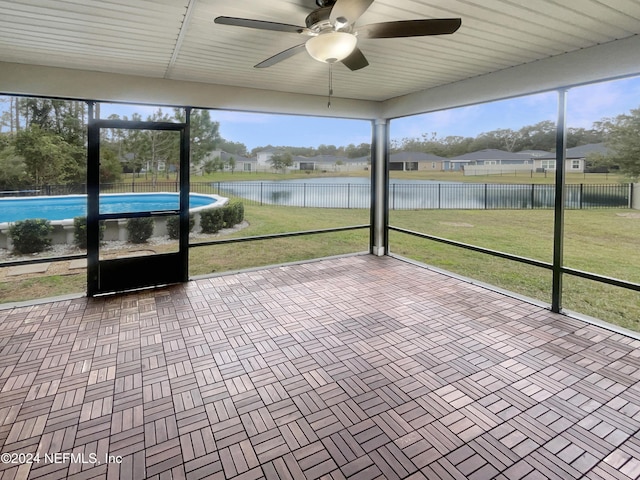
(67, 207)
(61, 210)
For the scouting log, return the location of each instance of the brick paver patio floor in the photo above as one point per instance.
(358, 367)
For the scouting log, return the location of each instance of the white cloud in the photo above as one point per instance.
(591, 103)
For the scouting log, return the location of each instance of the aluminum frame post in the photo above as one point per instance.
(558, 226)
(93, 191)
(380, 188)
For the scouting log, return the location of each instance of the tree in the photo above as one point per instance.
(598, 163)
(362, 150)
(280, 161)
(13, 170)
(583, 136)
(541, 136)
(234, 148)
(156, 150)
(204, 132)
(501, 139)
(327, 150)
(110, 166)
(232, 164)
(48, 158)
(624, 141)
(213, 165)
(62, 117)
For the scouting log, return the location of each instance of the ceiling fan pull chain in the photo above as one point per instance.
(330, 84)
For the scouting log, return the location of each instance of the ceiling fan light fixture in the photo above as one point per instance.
(331, 47)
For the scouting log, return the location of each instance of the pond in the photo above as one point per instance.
(355, 192)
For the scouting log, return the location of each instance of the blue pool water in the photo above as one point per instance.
(70, 206)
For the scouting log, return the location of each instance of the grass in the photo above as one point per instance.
(42, 287)
(222, 258)
(205, 260)
(266, 220)
(600, 241)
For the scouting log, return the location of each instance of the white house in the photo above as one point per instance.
(576, 158)
(263, 157)
(231, 161)
(330, 163)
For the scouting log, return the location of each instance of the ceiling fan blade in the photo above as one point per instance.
(290, 52)
(356, 60)
(259, 24)
(351, 10)
(410, 28)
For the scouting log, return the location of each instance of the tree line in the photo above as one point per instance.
(540, 136)
(43, 142)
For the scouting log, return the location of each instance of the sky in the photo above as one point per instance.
(585, 105)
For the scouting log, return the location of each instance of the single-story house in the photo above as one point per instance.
(576, 158)
(330, 163)
(492, 160)
(411, 161)
(231, 161)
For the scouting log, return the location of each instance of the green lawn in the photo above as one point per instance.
(601, 241)
(266, 220)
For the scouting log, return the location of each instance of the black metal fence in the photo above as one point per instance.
(507, 196)
(402, 196)
(414, 196)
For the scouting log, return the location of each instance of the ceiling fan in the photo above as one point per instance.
(333, 36)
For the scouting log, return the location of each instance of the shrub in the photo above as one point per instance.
(139, 229)
(31, 235)
(233, 214)
(80, 231)
(211, 220)
(173, 226)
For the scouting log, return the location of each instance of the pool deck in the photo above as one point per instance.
(358, 367)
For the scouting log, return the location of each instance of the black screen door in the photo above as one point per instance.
(129, 216)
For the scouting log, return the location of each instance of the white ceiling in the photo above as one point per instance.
(177, 40)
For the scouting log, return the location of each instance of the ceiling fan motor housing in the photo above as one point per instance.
(318, 16)
(325, 3)
(319, 21)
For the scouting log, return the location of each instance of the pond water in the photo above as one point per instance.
(354, 192)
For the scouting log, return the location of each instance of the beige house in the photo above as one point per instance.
(420, 161)
(576, 158)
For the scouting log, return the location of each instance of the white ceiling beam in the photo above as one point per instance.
(21, 79)
(620, 58)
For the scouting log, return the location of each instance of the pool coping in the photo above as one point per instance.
(64, 229)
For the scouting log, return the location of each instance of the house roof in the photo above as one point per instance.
(329, 159)
(489, 154)
(238, 158)
(533, 153)
(581, 151)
